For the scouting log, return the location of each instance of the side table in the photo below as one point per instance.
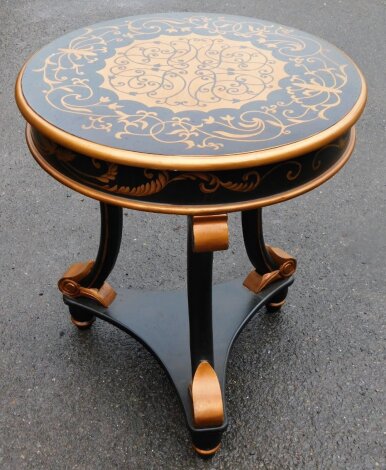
(198, 115)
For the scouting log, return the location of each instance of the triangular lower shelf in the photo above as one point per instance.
(160, 321)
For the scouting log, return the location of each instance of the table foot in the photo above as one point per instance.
(274, 307)
(79, 318)
(160, 321)
(207, 453)
(271, 264)
(82, 325)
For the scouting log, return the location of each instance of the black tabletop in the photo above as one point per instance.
(189, 84)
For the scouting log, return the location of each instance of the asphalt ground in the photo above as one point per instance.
(305, 388)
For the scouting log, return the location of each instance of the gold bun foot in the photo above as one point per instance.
(275, 306)
(207, 453)
(82, 325)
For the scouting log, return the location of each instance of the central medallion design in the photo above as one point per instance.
(192, 72)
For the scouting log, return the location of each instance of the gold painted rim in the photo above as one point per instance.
(189, 209)
(189, 162)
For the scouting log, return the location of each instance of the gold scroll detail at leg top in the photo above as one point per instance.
(70, 285)
(210, 233)
(256, 282)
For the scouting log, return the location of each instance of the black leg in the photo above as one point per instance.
(200, 303)
(109, 245)
(205, 389)
(252, 223)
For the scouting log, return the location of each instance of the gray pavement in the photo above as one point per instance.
(305, 389)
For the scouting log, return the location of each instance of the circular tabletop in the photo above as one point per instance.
(191, 91)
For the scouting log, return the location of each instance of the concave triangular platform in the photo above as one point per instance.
(160, 321)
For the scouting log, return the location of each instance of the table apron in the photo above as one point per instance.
(190, 192)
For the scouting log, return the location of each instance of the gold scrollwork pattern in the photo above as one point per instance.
(158, 180)
(143, 182)
(236, 84)
(192, 71)
(317, 159)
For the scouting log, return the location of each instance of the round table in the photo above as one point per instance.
(198, 115)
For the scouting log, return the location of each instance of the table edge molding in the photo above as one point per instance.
(189, 162)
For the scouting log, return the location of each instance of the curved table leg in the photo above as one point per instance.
(268, 265)
(88, 279)
(199, 279)
(205, 235)
(190, 337)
